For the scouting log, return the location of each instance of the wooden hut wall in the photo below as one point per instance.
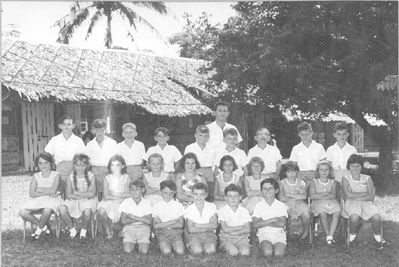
(11, 147)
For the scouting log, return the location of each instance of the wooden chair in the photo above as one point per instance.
(57, 225)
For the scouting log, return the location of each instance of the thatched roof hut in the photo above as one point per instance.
(159, 85)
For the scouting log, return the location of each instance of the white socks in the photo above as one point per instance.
(352, 237)
(73, 232)
(83, 232)
(40, 230)
(329, 238)
(377, 238)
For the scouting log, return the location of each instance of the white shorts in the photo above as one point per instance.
(274, 238)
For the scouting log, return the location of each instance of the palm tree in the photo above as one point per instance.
(78, 15)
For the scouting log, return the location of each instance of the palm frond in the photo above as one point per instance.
(152, 28)
(93, 22)
(68, 28)
(157, 6)
(128, 13)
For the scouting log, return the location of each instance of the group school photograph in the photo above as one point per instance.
(199, 133)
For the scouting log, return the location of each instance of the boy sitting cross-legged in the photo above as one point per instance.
(235, 223)
(201, 222)
(136, 219)
(168, 220)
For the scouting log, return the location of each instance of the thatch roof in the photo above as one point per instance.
(65, 73)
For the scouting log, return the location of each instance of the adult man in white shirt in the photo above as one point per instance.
(100, 150)
(216, 128)
(63, 147)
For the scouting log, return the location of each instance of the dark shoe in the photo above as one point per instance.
(381, 245)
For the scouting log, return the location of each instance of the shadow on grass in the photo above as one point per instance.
(62, 252)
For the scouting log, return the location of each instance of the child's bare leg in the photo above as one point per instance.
(144, 247)
(244, 249)
(195, 246)
(46, 213)
(102, 214)
(324, 223)
(354, 223)
(128, 247)
(376, 221)
(305, 223)
(165, 247)
(231, 248)
(178, 247)
(279, 249)
(209, 247)
(86, 218)
(27, 215)
(64, 214)
(334, 223)
(267, 249)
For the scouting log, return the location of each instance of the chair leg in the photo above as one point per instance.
(382, 234)
(93, 233)
(24, 230)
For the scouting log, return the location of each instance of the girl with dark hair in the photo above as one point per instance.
(43, 195)
(80, 196)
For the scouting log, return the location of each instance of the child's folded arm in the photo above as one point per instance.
(192, 227)
(208, 226)
(280, 222)
(230, 229)
(125, 219)
(177, 223)
(168, 224)
(147, 219)
(240, 230)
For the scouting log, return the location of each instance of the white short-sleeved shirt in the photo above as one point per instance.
(192, 213)
(234, 218)
(308, 157)
(170, 155)
(239, 156)
(206, 156)
(133, 155)
(264, 211)
(216, 134)
(167, 211)
(128, 206)
(64, 149)
(339, 156)
(100, 155)
(270, 156)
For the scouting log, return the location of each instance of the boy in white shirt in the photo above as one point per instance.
(136, 219)
(100, 150)
(168, 219)
(340, 152)
(131, 150)
(307, 153)
(170, 154)
(269, 217)
(235, 223)
(230, 139)
(205, 154)
(201, 220)
(269, 154)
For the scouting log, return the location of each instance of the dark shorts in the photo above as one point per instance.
(201, 238)
(169, 235)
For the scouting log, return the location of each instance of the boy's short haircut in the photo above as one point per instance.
(304, 126)
(339, 126)
(230, 131)
(202, 129)
(63, 118)
(261, 129)
(99, 124)
(129, 125)
(255, 160)
(221, 103)
(200, 186)
(155, 155)
(232, 188)
(288, 166)
(226, 158)
(355, 158)
(168, 184)
(271, 181)
(163, 130)
(136, 183)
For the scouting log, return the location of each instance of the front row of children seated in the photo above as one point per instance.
(191, 221)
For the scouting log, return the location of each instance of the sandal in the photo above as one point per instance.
(34, 236)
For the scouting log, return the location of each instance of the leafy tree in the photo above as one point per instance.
(318, 56)
(79, 14)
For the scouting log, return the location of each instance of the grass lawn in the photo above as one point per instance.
(62, 252)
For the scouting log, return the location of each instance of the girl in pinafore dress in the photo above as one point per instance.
(153, 178)
(186, 180)
(116, 189)
(293, 192)
(43, 195)
(323, 192)
(81, 196)
(252, 183)
(359, 204)
(224, 178)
